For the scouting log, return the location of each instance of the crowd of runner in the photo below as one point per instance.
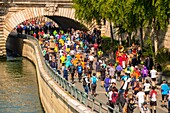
(78, 56)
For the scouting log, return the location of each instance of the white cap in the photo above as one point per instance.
(127, 72)
(113, 81)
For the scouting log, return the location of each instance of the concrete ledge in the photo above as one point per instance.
(54, 99)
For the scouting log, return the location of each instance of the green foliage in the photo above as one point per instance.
(161, 9)
(109, 46)
(148, 49)
(88, 10)
(163, 56)
(127, 15)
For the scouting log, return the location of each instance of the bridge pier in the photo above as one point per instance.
(2, 37)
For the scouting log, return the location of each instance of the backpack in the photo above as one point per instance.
(84, 82)
(114, 97)
(94, 80)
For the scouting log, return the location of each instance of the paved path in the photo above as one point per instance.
(103, 98)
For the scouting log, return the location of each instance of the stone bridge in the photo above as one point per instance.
(14, 12)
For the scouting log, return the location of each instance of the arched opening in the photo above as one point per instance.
(65, 23)
(14, 43)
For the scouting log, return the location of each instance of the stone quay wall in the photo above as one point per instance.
(53, 98)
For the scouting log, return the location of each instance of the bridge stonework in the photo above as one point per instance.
(21, 11)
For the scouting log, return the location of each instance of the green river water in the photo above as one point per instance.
(18, 87)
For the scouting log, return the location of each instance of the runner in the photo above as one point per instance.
(72, 71)
(144, 73)
(118, 71)
(164, 92)
(85, 84)
(102, 71)
(94, 84)
(65, 73)
(107, 84)
(153, 76)
(145, 108)
(70, 47)
(141, 97)
(153, 101)
(147, 87)
(79, 71)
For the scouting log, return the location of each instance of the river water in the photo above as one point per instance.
(18, 87)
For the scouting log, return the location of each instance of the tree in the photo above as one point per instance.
(127, 15)
(88, 10)
(120, 13)
(140, 10)
(160, 10)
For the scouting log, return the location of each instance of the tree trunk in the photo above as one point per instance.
(156, 42)
(111, 32)
(141, 37)
(156, 34)
(129, 39)
(120, 39)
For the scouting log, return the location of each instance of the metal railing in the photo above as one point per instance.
(89, 101)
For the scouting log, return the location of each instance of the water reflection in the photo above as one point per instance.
(18, 87)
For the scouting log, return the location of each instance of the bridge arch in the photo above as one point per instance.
(14, 19)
